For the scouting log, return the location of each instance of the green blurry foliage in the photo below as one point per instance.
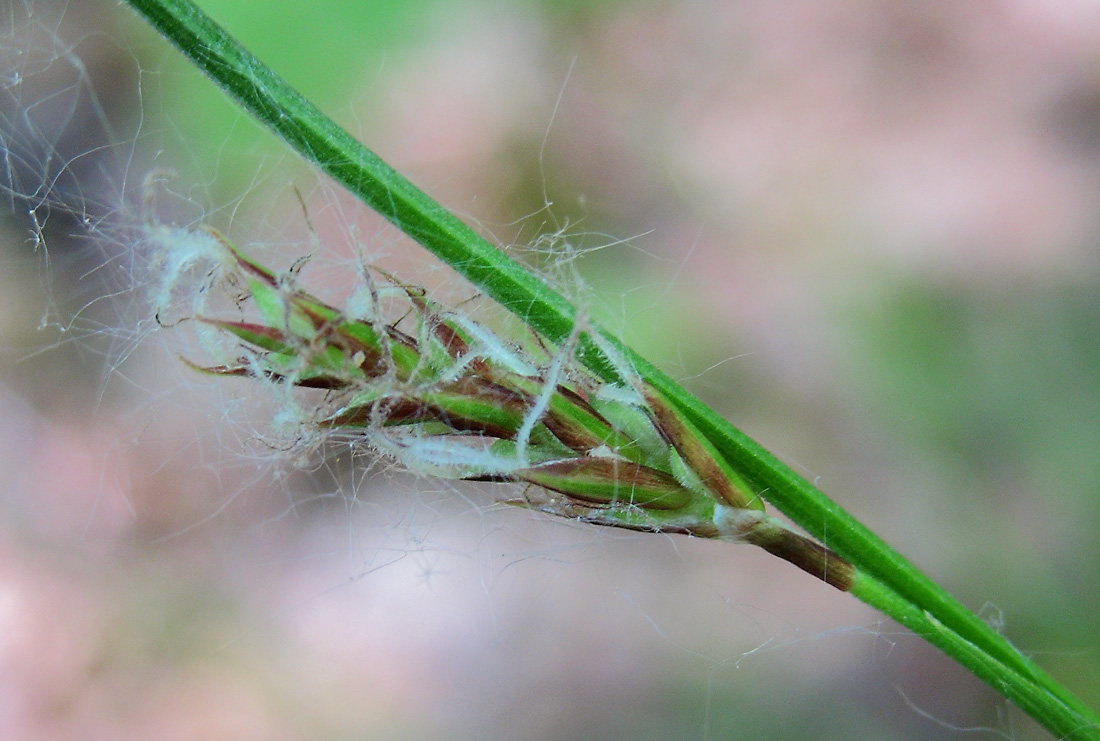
(998, 387)
(313, 45)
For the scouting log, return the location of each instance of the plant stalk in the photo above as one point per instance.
(888, 581)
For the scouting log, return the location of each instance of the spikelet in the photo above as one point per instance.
(450, 399)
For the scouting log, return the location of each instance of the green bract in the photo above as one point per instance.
(879, 575)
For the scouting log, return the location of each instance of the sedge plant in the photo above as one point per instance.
(445, 396)
(592, 429)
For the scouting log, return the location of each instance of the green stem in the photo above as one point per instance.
(1059, 712)
(902, 592)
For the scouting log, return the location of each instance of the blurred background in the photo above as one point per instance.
(866, 233)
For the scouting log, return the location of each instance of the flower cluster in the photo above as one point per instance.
(446, 397)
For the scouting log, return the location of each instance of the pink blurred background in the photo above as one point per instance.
(865, 232)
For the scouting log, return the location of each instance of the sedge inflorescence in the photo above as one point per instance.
(445, 396)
